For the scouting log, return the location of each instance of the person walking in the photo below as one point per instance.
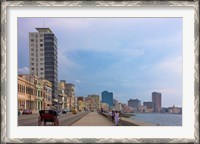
(113, 115)
(116, 118)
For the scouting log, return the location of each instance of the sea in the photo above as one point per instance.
(159, 119)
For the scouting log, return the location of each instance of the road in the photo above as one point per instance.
(64, 119)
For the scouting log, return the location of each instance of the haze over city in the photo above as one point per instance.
(131, 57)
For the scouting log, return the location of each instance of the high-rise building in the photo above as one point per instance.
(107, 97)
(43, 58)
(156, 100)
(135, 103)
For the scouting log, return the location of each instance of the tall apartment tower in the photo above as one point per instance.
(107, 97)
(156, 100)
(43, 58)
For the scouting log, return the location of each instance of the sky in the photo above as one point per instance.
(131, 57)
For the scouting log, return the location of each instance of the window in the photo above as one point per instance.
(41, 35)
(41, 40)
(32, 68)
(32, 49)
(32, 59)
(41, 45)
(32, 64)
(32, 54)
(32, 40)
(41, 68)
(41, 49)
(41, 63)
(41, 54)
(41, 59)
(32, 45)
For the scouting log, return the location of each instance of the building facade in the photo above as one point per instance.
(62, 94)
(96, 101)
(135, 104)
(107, 97)
(71, 96)
(80, 103)
(156, 100)
(149, 106)
(33, 93)
(43, 58)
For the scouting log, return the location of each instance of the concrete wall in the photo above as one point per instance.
(128, 122)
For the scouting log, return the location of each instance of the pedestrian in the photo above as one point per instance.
(116, 118)
(47, 107)
(113, 115)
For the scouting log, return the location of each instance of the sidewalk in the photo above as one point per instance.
(93, 119)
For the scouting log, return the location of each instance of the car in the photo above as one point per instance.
(26, 111)
(64, 111)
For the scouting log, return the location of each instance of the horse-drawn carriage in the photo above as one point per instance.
(48, 116)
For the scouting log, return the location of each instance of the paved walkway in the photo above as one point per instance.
(93, 119)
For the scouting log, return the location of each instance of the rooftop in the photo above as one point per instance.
(44, 30)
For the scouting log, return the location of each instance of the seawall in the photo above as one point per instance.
(128, 122)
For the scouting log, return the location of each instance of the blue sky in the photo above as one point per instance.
(131, 57)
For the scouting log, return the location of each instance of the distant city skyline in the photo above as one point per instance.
(131, 57)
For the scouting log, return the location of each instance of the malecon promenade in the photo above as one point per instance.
(96, 119)
(93, 119)
(80, 119)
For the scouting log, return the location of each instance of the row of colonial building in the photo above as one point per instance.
(36, 93)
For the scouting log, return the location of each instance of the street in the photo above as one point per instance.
(64, 119)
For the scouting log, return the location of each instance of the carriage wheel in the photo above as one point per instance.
(39, 121)
(56, 122)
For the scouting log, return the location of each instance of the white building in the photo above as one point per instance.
(43, 57)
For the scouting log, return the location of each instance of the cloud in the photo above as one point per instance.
(78, 81)
(171, 64)
(24, 70)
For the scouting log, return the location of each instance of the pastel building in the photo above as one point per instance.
(70, 90)
(33, 93)
(96, 101)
